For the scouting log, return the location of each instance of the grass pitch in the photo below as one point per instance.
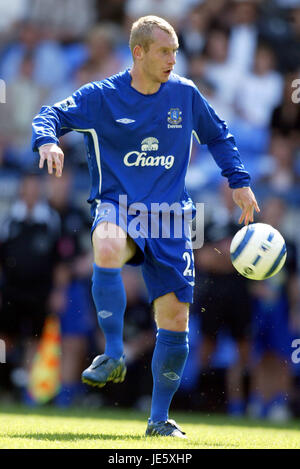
(109, 428)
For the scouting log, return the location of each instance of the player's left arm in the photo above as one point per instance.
(213, 131)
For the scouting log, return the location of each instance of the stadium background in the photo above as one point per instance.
(244, 57)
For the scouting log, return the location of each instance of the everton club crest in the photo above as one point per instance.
(174, 118)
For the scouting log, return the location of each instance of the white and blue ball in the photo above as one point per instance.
(258, 251)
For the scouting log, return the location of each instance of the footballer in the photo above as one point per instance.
(138, 127)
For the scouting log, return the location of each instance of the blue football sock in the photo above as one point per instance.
(169, 357)
(110, 301)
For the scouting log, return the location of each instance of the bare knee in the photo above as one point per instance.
(109, 254)
(109, 247)
(179, 321)
(171, 314)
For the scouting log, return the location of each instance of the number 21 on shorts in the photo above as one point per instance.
(189, 270)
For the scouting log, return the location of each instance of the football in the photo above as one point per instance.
(258, 251)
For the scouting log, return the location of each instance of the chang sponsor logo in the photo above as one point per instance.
(141, 158)
(150, 144)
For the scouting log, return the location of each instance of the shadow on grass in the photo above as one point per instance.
(75, 436)
(115, 413)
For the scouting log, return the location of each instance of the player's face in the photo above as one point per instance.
(158, 62)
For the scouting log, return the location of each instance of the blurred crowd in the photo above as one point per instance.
(244, 56)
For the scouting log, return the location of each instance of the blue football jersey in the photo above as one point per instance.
(140, 145)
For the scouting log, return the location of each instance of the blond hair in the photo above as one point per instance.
(142, 31)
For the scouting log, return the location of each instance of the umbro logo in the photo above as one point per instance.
(125, 120)
(104, 314)
(171, 375)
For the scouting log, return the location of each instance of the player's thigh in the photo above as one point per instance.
(112, 245)
(170, 313)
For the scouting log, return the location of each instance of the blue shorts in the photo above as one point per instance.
(167, 262)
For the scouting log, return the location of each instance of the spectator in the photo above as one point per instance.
(103, 59)
(262, 86)
(28, 238)
(16, 119)
(49, 65)
(243, 34)
(280, 176)
(284, 34)
(10, 14)
(193, 32)
(286, 116)
(275, 316)
(171, 11)
(67, 20)
(216, 12)
(223, 301)
(259, 92)
(112, 11)
(220, 73)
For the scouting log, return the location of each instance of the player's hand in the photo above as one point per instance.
(54, 157)
(245, 199)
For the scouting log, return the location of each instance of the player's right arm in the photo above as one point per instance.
(77, 112)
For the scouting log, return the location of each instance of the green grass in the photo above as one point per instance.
(115, 429)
